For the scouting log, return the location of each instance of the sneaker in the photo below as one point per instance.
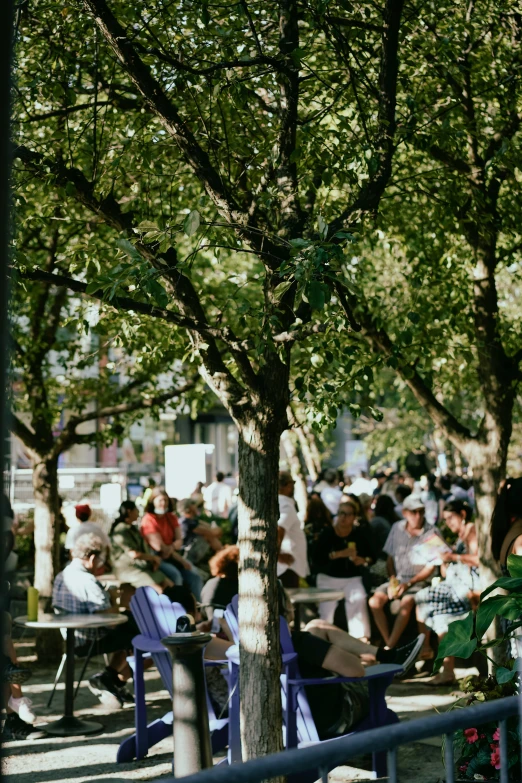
(14, 673)
(16, 729)
(104, 687)
(125, 695)
(407, 655)
(23, 707)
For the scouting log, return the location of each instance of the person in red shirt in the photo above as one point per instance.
(161, 529)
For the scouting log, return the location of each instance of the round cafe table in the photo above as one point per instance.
(69, 725)
(310, 595)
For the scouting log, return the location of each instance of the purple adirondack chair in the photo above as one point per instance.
(300, 726)
(156, 618)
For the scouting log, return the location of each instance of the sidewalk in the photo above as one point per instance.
(85, 760)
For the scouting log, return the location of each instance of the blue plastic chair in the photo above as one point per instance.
(156, 617)
(300, 728)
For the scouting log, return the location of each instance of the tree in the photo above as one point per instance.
(433, 288)
(70, 359)
(225, 150)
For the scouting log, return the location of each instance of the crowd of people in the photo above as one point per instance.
(404, 555)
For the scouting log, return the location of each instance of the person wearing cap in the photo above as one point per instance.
(83, 527)
(408, 568)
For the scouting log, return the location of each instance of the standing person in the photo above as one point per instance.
(83, 513)
(161, 529)
(366, 503)
(506, 522)
(317, 518)
(431, 495)
(380, 477)
(402, 491)
(131, 559)
(218, 497)
(332, 493)
(292, 559)
(408, 568)
(341, 555)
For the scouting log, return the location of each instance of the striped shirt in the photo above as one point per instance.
(77, 591)
(409, 557)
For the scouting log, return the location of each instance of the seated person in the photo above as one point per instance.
(19, 708)
(323, 650)
(132, 562)
(224, 584)
(77, 591)
(199, 538)
(437, 605)
(83, 514)
(381, 522)
(340, 556)
(402, 491)
(162, 531)
(407, 566)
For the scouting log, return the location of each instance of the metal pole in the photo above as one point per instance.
(192, 745)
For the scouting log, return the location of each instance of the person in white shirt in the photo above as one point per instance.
(218, 497)
(292, 561)
(331, 494)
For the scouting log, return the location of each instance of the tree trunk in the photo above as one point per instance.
(260, 658)
(310, 452)
(47, 523)
(294, 464)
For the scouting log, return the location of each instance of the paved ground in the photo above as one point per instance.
(54, 760)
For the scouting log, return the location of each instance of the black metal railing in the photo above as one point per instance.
(324, 756)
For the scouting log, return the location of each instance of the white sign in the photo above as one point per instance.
(110, 498)
(355, 457)
(184, 467)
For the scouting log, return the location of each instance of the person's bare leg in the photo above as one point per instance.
(407, 604)
(426, 652)
(377, 603)
(341, 639)
(343, 663)
(118, 662)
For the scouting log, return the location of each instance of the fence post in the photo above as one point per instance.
(192, 745)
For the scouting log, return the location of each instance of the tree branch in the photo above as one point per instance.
(460, 435)
(370, 194)
(167, 113)
(23, 432)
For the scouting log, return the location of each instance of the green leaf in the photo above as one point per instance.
(316, 295)
(158, 293)
(414, 318)
(501, 605)
(299, 242)
(322, 226)
(458, 641)
(129, 249)
(191, 223)
(514, 564)
(505, 582)
(281, 289)
(70, 189)
(504, 675)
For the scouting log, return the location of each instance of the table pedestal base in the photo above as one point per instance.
(72, 727)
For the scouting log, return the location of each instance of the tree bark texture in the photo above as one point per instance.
(47, 523)
(260, 656)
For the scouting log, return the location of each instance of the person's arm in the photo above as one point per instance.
(516, 548)
(177, 558)
(426, 572)
(178, 538)
(390, 566)
(156, 543)
(282, 557)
